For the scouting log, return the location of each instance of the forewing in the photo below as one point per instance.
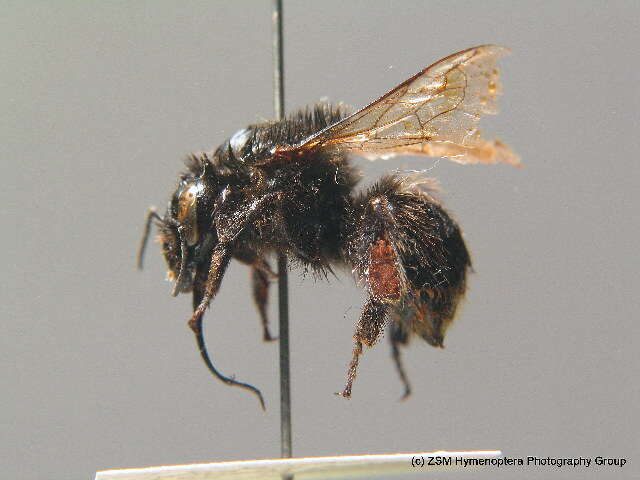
(434, 113)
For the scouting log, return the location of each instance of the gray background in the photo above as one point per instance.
(100, 102)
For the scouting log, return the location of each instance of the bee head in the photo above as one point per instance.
(186, 230)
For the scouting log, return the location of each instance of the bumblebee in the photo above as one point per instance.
(288, 187)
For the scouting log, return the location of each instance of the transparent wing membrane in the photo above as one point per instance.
(434, 113)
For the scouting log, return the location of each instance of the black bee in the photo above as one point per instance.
(289, 187)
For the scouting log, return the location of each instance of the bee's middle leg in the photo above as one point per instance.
(261, 274)
(260, 285)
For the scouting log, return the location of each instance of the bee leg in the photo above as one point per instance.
(372, 248)
(205, 289)
(219, 262)
(399, 336)
(229, 225)
(351, 373)
(260, 273)
(411, 254)
(371, 323)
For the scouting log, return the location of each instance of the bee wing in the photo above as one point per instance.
(434, 113)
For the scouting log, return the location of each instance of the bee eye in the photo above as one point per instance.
(187, 214)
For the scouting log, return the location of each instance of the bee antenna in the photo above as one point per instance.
(151, 214)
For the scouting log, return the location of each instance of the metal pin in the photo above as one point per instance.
(283, 288)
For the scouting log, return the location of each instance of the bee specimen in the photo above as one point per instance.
(288, 187)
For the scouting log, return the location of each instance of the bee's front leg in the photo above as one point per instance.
(204, 293)
(207, 284)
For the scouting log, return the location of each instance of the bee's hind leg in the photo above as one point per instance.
(371, 323)
(399, 336)
(373, 252)
(411, 256)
